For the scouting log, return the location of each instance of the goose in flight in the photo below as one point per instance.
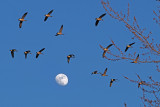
(70, 56)
(60, 31)
(39, 52)
(104, 74)
(48, 15)
(128, 46)
(99, 19)
(95, 72)
(136, 60)
(12, 52)
(22, 19)
(105, 49)
(27, 52)
(112, 80)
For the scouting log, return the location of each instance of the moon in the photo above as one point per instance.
(61, 79)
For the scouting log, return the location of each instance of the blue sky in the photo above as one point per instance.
(31, 81)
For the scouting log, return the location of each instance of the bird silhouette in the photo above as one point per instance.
(136, 60)
(22, 19)
(48, 15)
(105, 49)
(12, 52)
(99, 19)
(141, 83)
(60, 31)
(70, 56)
(128, 46)
(27, 52)
(39, 52)
(95, 72)
(112, 80)
(104, 74)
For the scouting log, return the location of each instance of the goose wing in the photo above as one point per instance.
(45, 18)
(109, 46)
(131, 44)
(111, 83)
(126, 48)
(24, 15)
(41, 49)
(37, 55)
(20, 24)
(50, 12)
(105, 71)
(61, 29)
(102, 15)
(25, 55)
(12, 53)
(97, 21)
(137, 57)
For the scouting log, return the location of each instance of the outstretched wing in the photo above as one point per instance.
(72, 55)
(111, 83)
(41, 50)
(28, 51)
(20, 24)
(139, 85)
(12, 53)
(24, 15)
(126, 48)
(137, 57)
(109, 46)
(104, 53)
(50, 12)
(105, 71)
(102, 15)
(25, 55)
(68, 59)
(97, 21)
(131, 44)
(60, 31)
(37, 55)
(45, 18)
(95, 72)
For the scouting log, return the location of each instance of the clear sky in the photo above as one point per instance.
(31, 82)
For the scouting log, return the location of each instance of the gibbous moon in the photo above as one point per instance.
(61, 79)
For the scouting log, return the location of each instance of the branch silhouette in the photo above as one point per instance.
(150, 53)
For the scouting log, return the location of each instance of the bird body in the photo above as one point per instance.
(22, 20)
(104, 75)
(48, 15)
(99, 19)
(128, 46)
(26, 52)
(59, 33)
